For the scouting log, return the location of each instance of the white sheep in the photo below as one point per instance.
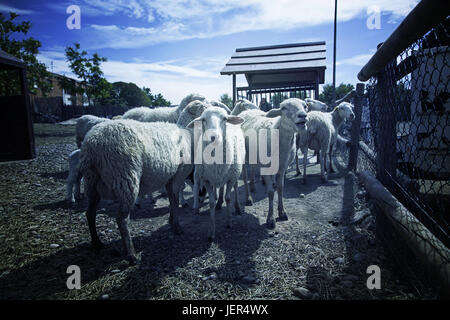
(313, 105)
(316, 105)
(163, 114)
(243, 105)
(219, 104)
(74, 178)
(192, 111)
(84, 124)
(322, 134)
(122, 159)
(220, 133)
(287, 120)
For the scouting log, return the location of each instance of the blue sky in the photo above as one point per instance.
(176, 47)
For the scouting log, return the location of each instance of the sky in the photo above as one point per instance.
(176, 47)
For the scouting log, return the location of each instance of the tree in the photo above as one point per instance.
(327, 93)
(25, 49)
(159, 101)
(88, 70)
(227, 100)
(278, 98)
(129, 94)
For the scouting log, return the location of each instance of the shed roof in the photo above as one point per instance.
(8, 59)
(289, 63)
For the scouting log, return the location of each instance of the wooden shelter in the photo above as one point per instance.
(16, 126)
(292, 70)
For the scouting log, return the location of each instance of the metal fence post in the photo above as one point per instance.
(356, 127)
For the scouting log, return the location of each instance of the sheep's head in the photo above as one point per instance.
(189, 98)
(292, 110)
(316, 105)
(242, 105)
(219, 104)
(213, 123)
(193, 110)
(345, 110)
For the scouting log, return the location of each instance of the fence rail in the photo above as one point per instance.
(52, 109)
(401, 134)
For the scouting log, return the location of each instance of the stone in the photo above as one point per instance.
(302, 293)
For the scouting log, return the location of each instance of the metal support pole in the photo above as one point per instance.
(234, 89)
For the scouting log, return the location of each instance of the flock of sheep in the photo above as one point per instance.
(147, 150)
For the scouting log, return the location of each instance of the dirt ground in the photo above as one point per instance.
(325, 247)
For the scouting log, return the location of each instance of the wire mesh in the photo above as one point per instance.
(405, 129)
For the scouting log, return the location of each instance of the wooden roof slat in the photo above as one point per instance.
(275, 67)
(278, 58)
(283, 51)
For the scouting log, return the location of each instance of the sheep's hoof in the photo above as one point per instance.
(177, 229)
(282, 216)
(133, 259)
(218, 206)
(249, 202)
(298, 173)
(270, 223)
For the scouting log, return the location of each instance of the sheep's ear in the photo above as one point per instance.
(234, 120)
(191, 124)
(273, 113)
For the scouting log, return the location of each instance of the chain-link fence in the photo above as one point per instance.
(405, 129)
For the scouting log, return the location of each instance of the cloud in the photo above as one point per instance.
(174, 79)
(187, 19)
(6, 8)
(358, 60)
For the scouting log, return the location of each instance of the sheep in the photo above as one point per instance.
(163, 114)
(84, 124)
(219, 104)
(313, 105)
(122, 159)
(192, 111)
(287, 120)
(322, 134)
(220, 131)
(243, 105)
(316, 105)
(74, 178)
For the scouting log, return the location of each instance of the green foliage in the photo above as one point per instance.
(160, 101)
(341, 90)
(226, 100)
(88, 70)
(25, 49)
(129, 94)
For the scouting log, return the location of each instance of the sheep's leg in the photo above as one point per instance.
(220, 200)
(69, 196)
(212, 212)
(331, 161)
(122, 223)
(248, 197)
(78, 187)
(228, 202)
(181, 198)
(173, 207)
(237, 204)
(323, 162)
(317, 154)
(91, 213)
(305, 161)
(269, 187)
(296, 163)
(280, 187)
(252, 180)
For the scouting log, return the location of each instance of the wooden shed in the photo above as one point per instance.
(273, 72)
(16, 126)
